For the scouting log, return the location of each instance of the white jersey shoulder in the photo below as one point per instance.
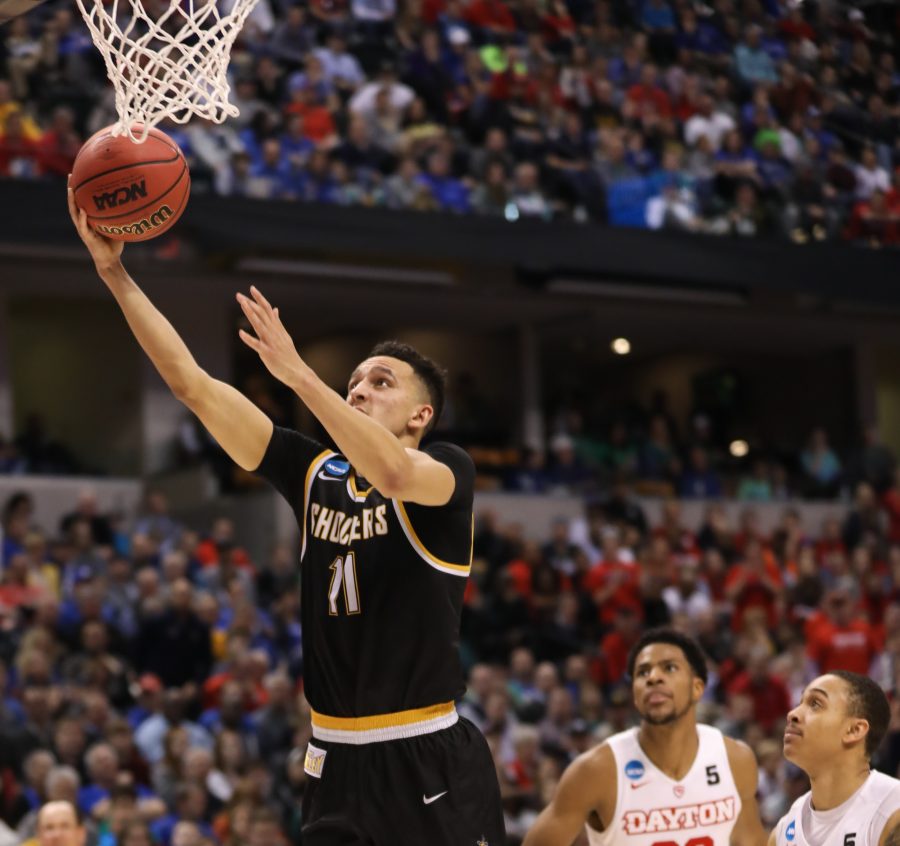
(859, 821)
(653, 809)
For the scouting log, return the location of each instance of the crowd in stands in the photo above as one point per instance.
(695, 465)
(729, 117)
(149, 669)
(646, 446)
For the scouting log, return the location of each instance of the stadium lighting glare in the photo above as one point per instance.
(621, 346)
(739, 448)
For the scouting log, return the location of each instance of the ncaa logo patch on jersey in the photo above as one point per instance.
(634, 770)
(336, 468)
(791, 831)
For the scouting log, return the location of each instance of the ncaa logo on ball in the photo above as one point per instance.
(791, 831)
(634, 770)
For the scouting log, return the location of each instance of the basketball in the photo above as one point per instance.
(131, 192)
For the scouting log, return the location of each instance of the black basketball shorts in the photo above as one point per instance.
(437, 789)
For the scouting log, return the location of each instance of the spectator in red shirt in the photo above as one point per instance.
(612, 584)
(557, 23)
(60, 144)
(648, 91)
(771, 698)
(891, 503)
(839, 638)
(611, 665)
(831, 540)
(493, 17)
(682, 541)
(220, 546)
(522, 771)
(874, 221)
(794, 25)
(754, 583)
(521, 569)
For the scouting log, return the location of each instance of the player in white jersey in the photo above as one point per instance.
(669, 782)
(831, 735)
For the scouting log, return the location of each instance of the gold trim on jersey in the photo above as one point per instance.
(355, 493)
(382, 727)
(396, 718)
(428, 557)
(314, 467)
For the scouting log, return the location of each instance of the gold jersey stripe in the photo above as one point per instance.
(420, 547)
(314, 467)
(380, 721)
(357, 494)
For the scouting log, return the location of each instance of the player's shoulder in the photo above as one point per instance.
(743, 765)
(739, 753)
(884, 790)
(594, 769)
(284, 439)
(785, 829)
(883, 783)
(447, 452)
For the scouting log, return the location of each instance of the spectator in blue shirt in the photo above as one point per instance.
(698, 481)
(774, 171)
(752, 62)
(700, 40)
(450, 193)
(190, 806)
(821, 465)
(657, 16)
(315, 183)
(276, 170)
(295, 146)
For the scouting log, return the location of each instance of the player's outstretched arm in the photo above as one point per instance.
(588, 784)
(748, 831)
(395, 471)
(240, 428)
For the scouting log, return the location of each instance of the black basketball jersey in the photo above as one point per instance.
(382, 581)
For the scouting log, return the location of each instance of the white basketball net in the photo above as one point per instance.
(172, 64)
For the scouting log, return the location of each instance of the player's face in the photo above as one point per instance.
(665, 688)
(820, 728)
(388, 390)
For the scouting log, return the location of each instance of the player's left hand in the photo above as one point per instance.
(272, 342)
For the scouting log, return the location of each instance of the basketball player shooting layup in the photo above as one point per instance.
(386, 541)
(831, 735)
(669, 782)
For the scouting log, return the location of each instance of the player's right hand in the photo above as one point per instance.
(104, 251)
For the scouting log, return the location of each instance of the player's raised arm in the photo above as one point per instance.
(748, 830)
(381, 455)
(240, 428)
(586, 783)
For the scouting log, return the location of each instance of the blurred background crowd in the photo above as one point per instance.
(149, 669)
(729, 117)
(644, 447)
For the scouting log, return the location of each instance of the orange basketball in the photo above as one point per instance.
(131, 192)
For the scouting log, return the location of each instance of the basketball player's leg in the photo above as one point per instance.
(438, 789)
(331, 798)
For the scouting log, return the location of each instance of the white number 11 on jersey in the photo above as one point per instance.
(343, 575)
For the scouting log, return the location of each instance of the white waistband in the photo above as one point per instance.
(378, 735)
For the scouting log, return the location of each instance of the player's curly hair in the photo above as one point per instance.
(433, 376)
(691, 649)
